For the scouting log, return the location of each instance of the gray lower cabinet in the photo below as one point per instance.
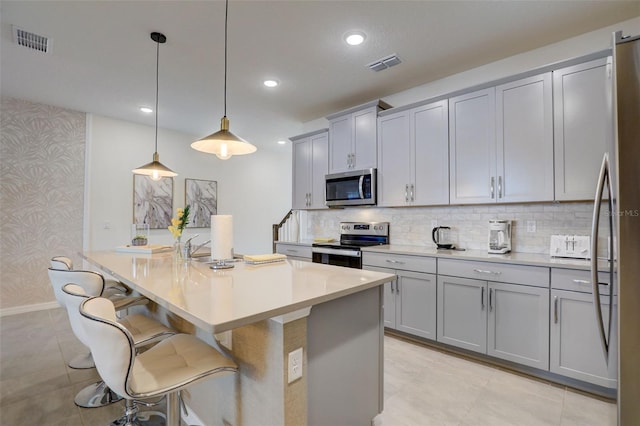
(575, 348)
(518, 324)
(409, 300)
(507, 321)
(462, 313)
(295, 251)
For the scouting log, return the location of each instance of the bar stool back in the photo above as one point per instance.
(144, 331)
(164, 369)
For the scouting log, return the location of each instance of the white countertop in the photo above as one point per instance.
(480, 255)
(217, 301)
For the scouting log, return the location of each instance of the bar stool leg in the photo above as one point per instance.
(173, 409)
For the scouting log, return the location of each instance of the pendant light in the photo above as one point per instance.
(223, 143)
(156, 169)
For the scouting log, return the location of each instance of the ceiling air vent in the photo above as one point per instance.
(384, 63)
(31, 40)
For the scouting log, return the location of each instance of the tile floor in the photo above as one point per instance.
(422, 386)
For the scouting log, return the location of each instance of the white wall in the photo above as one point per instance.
(255, 189)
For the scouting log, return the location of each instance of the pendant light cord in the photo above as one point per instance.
(157, 85)
(226, 18)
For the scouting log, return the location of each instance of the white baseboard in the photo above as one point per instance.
(28, 308)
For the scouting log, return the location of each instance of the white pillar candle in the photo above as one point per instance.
(222, 236)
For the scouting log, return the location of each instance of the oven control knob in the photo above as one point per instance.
(376, 227)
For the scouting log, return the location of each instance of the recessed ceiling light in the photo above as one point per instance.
(355, 38)
(146, 110)
(281, 142)
(271, 83)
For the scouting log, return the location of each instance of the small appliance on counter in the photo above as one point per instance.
(499, 236)
(574, 246)
(441, 236)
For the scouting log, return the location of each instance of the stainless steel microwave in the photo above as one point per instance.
(353, 188)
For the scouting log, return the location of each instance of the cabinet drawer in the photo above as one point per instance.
(501, 272)
(577, 280)
(294, 250)
(400, 261)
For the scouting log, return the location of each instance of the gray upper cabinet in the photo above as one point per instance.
(472, 148)
(353, 138)
(524, 133)
(582, 126)
(309, 168)
(413, 156)
(501, 143)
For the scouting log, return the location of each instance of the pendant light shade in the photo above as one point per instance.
(223, 143)
(155, 169)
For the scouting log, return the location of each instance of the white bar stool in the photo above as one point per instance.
(112, 287)
(144, 331)
(94, 284)
(171, 365)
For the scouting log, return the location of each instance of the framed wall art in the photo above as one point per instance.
(202, 196)
(152, 201)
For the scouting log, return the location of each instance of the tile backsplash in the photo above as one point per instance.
(412, 226)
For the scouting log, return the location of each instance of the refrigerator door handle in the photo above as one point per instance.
(602, 178)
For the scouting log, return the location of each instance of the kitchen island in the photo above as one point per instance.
(334, 314)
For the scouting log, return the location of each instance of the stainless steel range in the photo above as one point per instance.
(353, 236)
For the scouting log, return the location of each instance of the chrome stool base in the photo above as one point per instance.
(96, 395)
(82, 362)
(142, 418)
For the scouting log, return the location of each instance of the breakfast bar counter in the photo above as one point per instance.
(333, 313)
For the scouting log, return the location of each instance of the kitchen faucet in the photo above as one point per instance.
(188, 252)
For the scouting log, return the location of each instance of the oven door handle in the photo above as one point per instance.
(339, 252)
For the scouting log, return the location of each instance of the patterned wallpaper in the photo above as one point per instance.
(41, 196)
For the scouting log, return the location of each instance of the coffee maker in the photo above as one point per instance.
(499, 236)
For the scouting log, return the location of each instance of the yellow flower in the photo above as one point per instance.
(179, 222)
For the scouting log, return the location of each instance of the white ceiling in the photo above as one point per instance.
(103, 60)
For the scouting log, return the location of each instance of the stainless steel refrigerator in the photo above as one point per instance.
(617, 211)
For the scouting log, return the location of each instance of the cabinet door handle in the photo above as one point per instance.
(555, 309)
(482, 298)
(406, 193)
(582, 281)
(490, 299)
(499, 186)
(492, 183)
(394, 261)
(411, 192)
(484, 271)
(291, 251)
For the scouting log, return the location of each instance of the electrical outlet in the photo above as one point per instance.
(295, 365)
(531, 226)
